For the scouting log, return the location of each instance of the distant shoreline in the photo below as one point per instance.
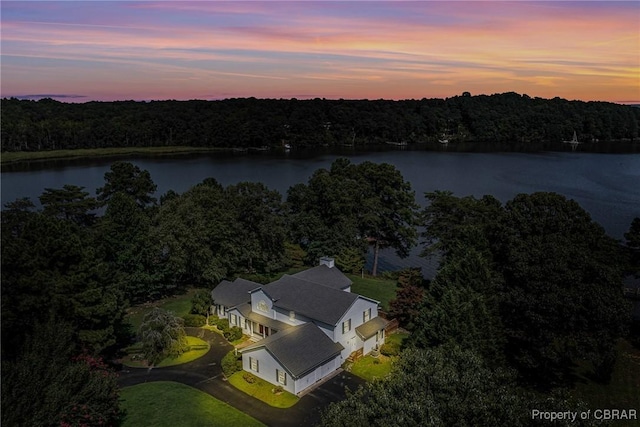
(13, 157)
(10, 158)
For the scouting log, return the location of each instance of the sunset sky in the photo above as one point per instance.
(79, 51)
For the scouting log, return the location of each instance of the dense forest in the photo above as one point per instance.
(507, 118)
(525, 289)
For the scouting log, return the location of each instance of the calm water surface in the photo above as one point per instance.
(606, 185)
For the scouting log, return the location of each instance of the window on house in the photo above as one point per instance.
(282, 377)
(346, 326)
(366, 316)
(233, 319)
(379, 335)
(253, 364)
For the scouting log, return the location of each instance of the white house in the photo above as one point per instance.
(304, 325)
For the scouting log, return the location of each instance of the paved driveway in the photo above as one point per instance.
(205, 374)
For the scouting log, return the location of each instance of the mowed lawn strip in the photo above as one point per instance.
(170, 404)
(19, 156)
(371, 368)
(383, 290)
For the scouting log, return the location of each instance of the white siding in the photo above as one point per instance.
(285, 316)
(240, 321)
(257, 299)
(267, 367)
(349, 340)
(376, 340)
(316, 375)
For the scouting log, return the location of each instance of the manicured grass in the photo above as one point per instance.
(383, 290)
(396, 338)
(199, 349)
(170, 404)
(262, 390)
(19, 156)
(623, 390)
(370, 368)
(180, 305)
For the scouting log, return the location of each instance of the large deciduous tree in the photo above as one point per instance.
(323, 214)
(201, 302)
(191, 229)
(563, 294)
(461, 307)
(162, 335)
(452, 222)
(260, 232)
(558, 278)
(344, 208)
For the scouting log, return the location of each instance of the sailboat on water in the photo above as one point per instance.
(574, 141)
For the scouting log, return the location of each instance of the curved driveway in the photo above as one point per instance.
(205, 374)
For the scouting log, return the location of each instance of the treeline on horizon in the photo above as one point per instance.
(47, 124)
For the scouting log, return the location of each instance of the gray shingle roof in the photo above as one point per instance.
(369, 329)
(299, 349)
(245, 311)
(331, 277)
(233, 293)
(315, 301)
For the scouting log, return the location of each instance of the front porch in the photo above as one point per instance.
(255, 325)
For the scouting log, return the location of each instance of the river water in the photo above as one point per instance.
(606, 185)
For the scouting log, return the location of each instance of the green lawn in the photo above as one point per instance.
(623, 390)
(198, 349)
(383, 290)
(170, 404)
(396, 338)
(179, 305)
(370, 368)
(263, 390)
(19, 156)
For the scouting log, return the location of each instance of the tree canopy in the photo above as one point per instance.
(508, 119)
(344, 209)
(550, 275)
(443, 386)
